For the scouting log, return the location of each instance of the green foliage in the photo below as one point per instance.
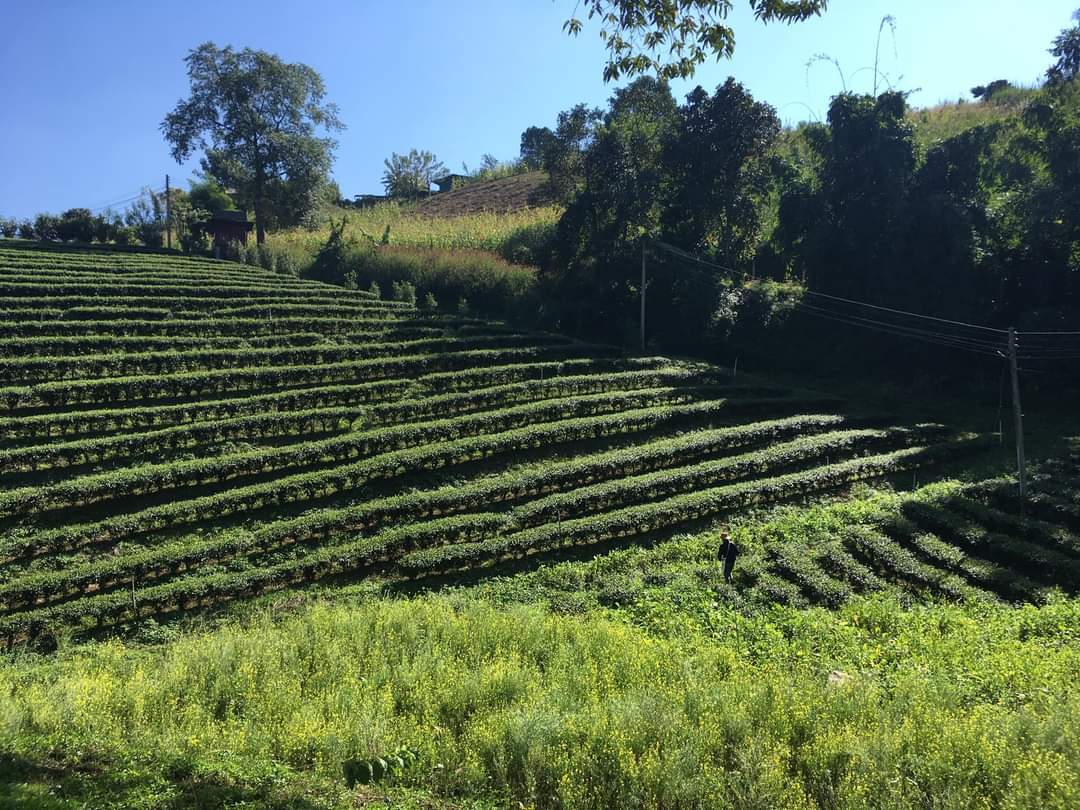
(410, 176)
(963, 702)
(76, 225)
(535, 143)
(404, 292)
(491, 168)
(45, 227)
(671, 37)
(1066, 52)
(564, 152)
(525, 234)
(689, 175)
(208, 195)
(331, 262)
(179, 433)
(256, 118)
(491, 286)
(146, 217)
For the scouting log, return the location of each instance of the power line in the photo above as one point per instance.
(1044, 345)
(126, 200)
(906, 314)
(691, 257)
(122, 197)
(904, 327)
(892, 329)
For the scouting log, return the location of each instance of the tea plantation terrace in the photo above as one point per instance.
(179, 432)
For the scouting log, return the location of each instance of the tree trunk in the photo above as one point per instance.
(257, 199)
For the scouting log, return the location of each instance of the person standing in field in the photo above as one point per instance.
(729, 550)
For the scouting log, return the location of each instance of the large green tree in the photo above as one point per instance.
(672, 37)
(258, 119)
(535, 141)
(719, 172)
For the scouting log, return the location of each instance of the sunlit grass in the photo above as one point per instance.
(967, 705)
(481, 231)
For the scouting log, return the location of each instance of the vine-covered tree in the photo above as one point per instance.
(672, 37)
(258, 120)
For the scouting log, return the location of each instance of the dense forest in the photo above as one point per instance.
(739, 218)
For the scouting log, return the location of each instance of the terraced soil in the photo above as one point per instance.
(507, 194)
(178, 432)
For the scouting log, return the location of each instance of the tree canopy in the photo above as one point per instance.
(410, 176)
(257, 118)
(672, 37)
(1066, 51)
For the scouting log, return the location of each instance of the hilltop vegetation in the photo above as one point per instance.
(950, 119)
(507, 194)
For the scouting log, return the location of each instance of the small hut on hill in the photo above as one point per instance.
(227, 226)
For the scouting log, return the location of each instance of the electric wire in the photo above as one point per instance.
(1034, 345)
(906, 314)
(127, 200)
(942, 337)
(889, 329)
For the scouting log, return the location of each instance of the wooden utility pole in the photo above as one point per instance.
(642, 295)
(1018, 414)
(168, 214)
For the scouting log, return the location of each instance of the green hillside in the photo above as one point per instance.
(182, 432)
(183, 440)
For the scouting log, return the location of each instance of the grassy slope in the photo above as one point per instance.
(483, 230)
(951, 118)
(515, 193)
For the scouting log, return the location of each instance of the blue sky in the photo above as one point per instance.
(85, 85)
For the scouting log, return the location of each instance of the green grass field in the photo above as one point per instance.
(230, 497)
(490, 231)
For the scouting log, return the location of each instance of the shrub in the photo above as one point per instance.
(429, 302)
(335, 260)
(45, 227)
(486, 283)
(194, 242)
(285, 264)
(404, 291)
(26, 230)
(124, 235)
(8, 228)
(76, 225)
